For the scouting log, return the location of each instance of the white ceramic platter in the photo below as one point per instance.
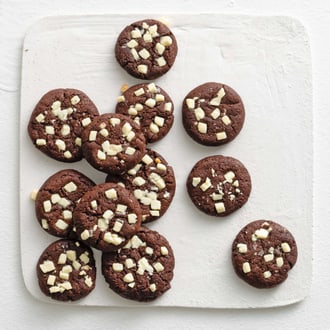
(267, 61)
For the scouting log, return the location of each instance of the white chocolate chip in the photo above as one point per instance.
(215, 113)
(152, 287)
(113, 238)
(60, 224)
(47, 266)
(261, 233)
(206, 185)
(152, 88)
(128, 278)
(67, 214)
(130, 151)
(139, 181)
(220, 207)
(226, 120)
(160, 48)
(229, 176)
(78, 141)
(246, 267)
(120, 98)
(147, 37)
(41, 142)
(196, 181)
(149, 250)
(279, 262)
(155, 205)
(71, 254)
(47, 206)
(144, 53)
(70, 187)
(268, 257)
(88, 281)
(67, 154)
(84, 258)
(135, 54)
(62, 259)
(143, 265)
(64, 276)
(161, 61)
(132, 43)
(129, 263)
(101, 155)
(117, 226)
(132, 218)
(158, 267)
(75, 99)
(44, 224)
(55, 198)
(114, 121)
(132, 111)
(67, 269)
(159, 98)
(117, 267)
(102, 224)
(92, 135)
(202, 128)
(142, 68)
(40, 118)
(50, 130)
(221, 135)
(147, 159)
(190, 103)
(86, 121)
(157, 180)
(242, 248)
(153, 30)
(216, 197)
(150, 102)
(84, 235)
(65, 285)
(168, 106)
(130, 136)
(121, 208)
(285, 247)
(154, 128)
(136, 242)
(159, 121)
(51, 280)
(136, 33)
(217, 100)
(199, 113)
(60, 144)
(161, 167)
(166, 41)
(139, 92)
(111, 193)
(54, 289)
(134, 170)
(164, 251)
(267, 274)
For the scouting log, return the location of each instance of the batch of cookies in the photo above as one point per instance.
(137, 262)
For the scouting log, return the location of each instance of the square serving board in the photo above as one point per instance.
(267, 60)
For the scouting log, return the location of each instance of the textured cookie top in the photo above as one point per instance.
(143, 269)
(219, 185)
(57, 122)
(152, 182)
(57, 198)
(113, 143)
(263, 253)
(66, 270)
(213, 114)
(150, 107)
(146, 49)
(107, 216)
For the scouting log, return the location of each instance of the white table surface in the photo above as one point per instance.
(20, 311)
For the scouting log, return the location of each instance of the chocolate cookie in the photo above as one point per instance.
(219, 185)
(57, 121)
(143, 269)
(113, 143)
(213, 114)
(57, 198)
(107, 216)
(150, 107)
(146, 49)
(66, 270)
(263, 253)
(152, 182)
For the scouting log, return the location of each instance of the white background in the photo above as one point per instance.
(19, 310)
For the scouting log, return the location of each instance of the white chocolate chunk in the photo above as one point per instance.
(62, 259)
(267, 274)
(120, 98)
(101, 155)
(220, 207)
(217, 100)
(150, 102)
(135, 54)
(130, 136)
(92, 136)
(279, 262)
(51, 279)
(65, 130)
(132, 111)
(149, 250)
(139, 92)
(268, 257)
(143, 265)
(64, 203)
(40, 118)
(139, 181)
(159, 98)
(152, 88)
(50, 130)
(78, 141)
(44, 224)
(261, 233)
(67, 269)
(129, 263)
(41, 142)
(161, 61)
(242, 248)
(142, 68)
(132, 43)
(113, 238)
(56, 105)
(84, 258)
(147, 37)
(118, 226)
(206, 185)
(117, 267)
(54, 289)
(163, 250)
(285, 247)
(60, 144)
(84, 235)
(202, 128)
(88, 281)
(60, 224)
(158, 267)
(221, 135)
(64, 276)
(136, 33)
(160, 48)
(102, 224)
(67, 154)
(155, 205)
(215, 113)
(153, 30)
(216, 197)
(128, 278)
(131, 285)
(75, 99)
(86, 121)
(114, 121)
(108, 215)
(70, 187)
(226, 120)
(144, 53)
(55, 198)
(199, 113)
(47, 266)
(229, 176)
(152, 287)
(195, 181)
(147, 159)
(121, 208)
(166, 41)
(154, 128)
(130, 151)
(111, 193)
(47, 205)
(67, 214)
(157, 180)
(136, 242)
(168, 106)
(132, 218)
(65, 285)
(161, 167)
(159, 121)
(246, 267)
(71, 254)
